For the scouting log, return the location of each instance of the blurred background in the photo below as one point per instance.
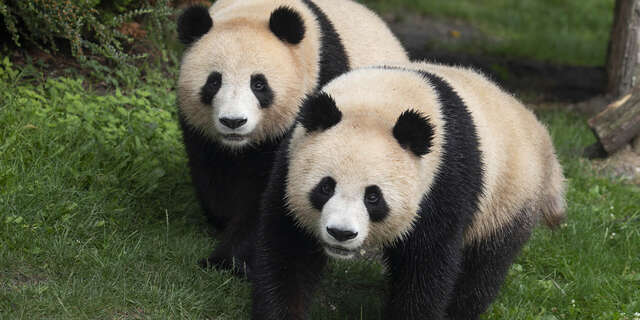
(518, 42)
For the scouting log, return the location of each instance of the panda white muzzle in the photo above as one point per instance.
(344, 226)
(236, 114)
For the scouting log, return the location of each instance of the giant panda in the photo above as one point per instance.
(246, 68)
(436, 165)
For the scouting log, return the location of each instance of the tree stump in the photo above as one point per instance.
(619, 123)
(616, 125)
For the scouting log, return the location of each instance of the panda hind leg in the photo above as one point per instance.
(485, 266)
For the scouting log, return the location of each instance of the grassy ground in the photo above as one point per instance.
(98, 220)
(567, 32)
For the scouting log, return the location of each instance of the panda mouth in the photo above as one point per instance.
(339, 251)
(234, 137)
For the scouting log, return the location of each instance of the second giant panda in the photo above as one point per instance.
(434, 164)
(247, 66)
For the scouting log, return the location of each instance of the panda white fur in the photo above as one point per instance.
(247, 67)
(435, 164)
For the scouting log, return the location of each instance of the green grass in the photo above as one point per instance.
(566, 32)
(98, 220)
(97, 217)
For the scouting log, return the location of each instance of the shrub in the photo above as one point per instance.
(80, 27)
(129, 140)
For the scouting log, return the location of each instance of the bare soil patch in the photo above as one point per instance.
(21, 277)
(623, 165)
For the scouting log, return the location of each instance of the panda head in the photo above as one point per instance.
(357, 178)
(240, 80)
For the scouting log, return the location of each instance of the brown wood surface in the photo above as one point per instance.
(623, 67)
(618, 123)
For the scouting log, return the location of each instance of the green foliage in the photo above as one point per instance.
(568, 32)
(117, 128)
(164, 36)
(81, 27)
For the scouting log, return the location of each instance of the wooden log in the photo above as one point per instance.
(623, 65)
(616, 125)
(619, 122)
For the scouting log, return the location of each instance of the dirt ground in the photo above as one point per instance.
(623, 165)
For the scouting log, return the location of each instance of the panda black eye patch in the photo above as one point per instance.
(375, 203)
(261, 89)
(322, 192)
(211, 87)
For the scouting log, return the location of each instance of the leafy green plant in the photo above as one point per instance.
(82, 27)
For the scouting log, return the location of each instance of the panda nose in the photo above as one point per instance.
(341, 235)
(233, 123)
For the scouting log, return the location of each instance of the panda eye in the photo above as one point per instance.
(210, 87)
(327, 188)
(322, 192)
(258, 85)
(374, 201)
(372, 197)
(214, 80)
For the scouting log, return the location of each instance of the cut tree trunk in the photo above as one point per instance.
(623, 65)
(618, 123)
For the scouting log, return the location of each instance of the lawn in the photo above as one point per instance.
(564, 32)
(98, 220)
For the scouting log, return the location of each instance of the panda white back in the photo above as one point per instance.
(520, 166)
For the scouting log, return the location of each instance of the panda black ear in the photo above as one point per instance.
(287, 25)
(414, 132)
(319, 112)
(193, 23)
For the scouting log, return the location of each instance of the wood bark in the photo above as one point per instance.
(623, 62)
(618, 123)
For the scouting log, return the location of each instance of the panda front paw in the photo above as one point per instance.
(238, 267)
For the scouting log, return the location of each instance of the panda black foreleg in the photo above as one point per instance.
(236, 241)
(486, 263)
(287, 267)
(219, 258)
(233, 252)
(200, 152)
(287, 262)
(423, 271)
(202, 178)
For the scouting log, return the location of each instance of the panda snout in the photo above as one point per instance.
(233, 123)
(341, 235)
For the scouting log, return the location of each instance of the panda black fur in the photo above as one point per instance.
(247, 66)
(435, 164)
